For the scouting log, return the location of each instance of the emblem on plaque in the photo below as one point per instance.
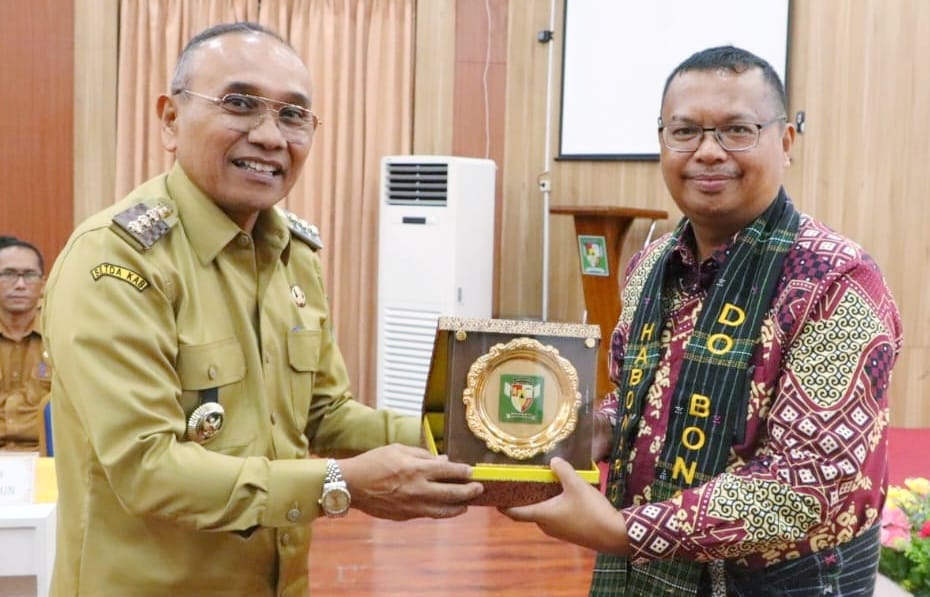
(521, 398)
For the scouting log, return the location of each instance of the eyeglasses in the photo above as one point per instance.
(296, 123)
(733, 136)
(11, 276)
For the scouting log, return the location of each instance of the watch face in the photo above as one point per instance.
(336, 501)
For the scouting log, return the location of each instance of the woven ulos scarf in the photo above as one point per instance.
(709, 398)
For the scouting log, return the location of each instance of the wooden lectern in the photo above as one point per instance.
(600, 231)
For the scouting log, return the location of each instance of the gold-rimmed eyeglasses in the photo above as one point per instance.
(11, 276)
(296, 123)
(732, 136)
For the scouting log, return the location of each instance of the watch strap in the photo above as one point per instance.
(333, 472)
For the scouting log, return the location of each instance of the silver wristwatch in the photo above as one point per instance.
(335, 500)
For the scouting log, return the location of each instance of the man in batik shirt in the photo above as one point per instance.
(747, 435)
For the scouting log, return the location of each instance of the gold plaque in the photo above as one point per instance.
(508, 395)
(522, 398)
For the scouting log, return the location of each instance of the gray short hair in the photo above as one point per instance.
(182, 70)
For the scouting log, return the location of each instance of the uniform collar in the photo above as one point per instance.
(35, 329)
(209, 229)
(271, 230)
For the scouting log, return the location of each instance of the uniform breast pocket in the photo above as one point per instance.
(215, 371)
(42, 377)
(303, 353)
(24, 398)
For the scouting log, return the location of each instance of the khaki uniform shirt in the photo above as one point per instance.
(137, 338)
(25, 377)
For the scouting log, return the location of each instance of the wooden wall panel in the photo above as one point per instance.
(520, 266)
(434, 77)
(480, 84)
(37, 74)
(910, 406)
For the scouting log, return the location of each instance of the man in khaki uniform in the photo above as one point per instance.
(196, 371)
(25, 374)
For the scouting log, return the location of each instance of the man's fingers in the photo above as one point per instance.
(449, 511)
(415, 451)
(452, 493)
(521, 513)
(562, 469)
(442, 469)
(566, 473)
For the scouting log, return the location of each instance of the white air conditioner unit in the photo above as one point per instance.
(435, 257)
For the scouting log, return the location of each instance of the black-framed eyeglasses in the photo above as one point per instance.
(732, 136)
(296, 123)
(29, 276)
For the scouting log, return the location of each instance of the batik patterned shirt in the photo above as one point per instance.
(807, 471)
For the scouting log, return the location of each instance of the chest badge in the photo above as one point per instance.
(300, 299)
(205, 422)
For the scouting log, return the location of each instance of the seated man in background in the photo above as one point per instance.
(25, 374)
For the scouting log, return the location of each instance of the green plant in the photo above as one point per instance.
(905, 536)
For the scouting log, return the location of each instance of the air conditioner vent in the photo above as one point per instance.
(435, 258)
(407, 337)
(417, 184)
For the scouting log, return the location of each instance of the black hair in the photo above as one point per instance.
(733, 59)
(7, 242)
(182, 70)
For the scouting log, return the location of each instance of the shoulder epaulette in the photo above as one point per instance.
(145, 223)
(303, 230)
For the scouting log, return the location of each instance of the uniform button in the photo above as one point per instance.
(293, 514)
(267, 359)
(273, 420)
(211, 372)
(244, 240)
(285, 539)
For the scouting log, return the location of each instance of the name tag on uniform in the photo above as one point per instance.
(17, 477)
